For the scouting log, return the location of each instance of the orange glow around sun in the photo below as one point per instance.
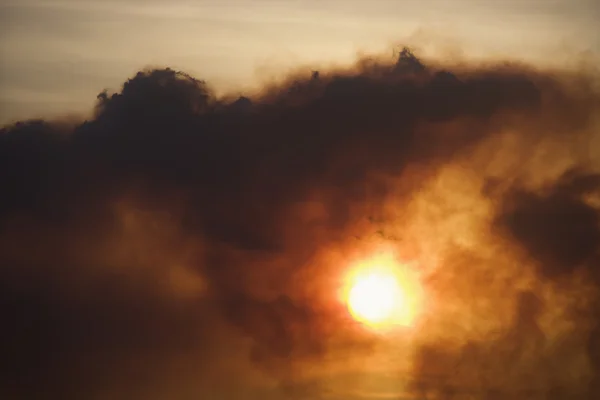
(380, 293)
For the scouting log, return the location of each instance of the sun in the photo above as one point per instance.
(374, 297)
(380, 294)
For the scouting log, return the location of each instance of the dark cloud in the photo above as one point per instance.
(556, 225)
(174, 244)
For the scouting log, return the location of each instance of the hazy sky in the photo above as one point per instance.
(175, 247)
(56, 55)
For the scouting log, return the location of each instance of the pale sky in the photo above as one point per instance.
(57, 55)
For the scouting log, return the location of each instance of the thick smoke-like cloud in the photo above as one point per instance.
(181, 245)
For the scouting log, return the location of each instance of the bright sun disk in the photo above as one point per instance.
(373, 297)
(378, 295)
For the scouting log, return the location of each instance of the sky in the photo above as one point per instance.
(176, 242)
(57, 55)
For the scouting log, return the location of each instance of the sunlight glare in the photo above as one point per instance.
(379, 294)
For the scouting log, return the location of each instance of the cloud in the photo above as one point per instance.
(559, 228)
(179, 243)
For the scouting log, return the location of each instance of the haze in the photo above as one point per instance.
(56, 55)
(231, 174)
